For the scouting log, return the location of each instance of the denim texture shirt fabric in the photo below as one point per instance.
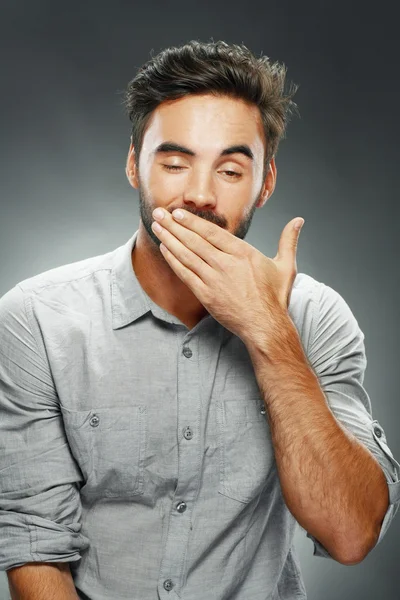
(139, 451)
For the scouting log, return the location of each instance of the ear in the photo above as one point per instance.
(269, 183)
(130, 169)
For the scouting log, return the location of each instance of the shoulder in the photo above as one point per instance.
(67, 273)
(319, 311)
(320, 295)
(69, 283)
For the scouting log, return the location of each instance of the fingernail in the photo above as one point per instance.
(299, 224)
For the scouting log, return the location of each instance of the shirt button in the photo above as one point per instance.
(168, 585)
(262, 410)
(187, 433)
(94, 421)
(187, 352)
(378, 432)
(181, 507)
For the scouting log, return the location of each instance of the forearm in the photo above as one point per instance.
(41, 581)
(331, 483)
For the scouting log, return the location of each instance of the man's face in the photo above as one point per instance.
(185, 162)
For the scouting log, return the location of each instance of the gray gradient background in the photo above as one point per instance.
(64, 195)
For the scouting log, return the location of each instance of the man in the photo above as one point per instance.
(172, 409)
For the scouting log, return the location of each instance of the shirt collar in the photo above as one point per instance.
(129, 301)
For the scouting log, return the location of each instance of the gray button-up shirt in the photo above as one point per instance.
(139, 451)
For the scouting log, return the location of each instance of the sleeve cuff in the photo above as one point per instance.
(27, 538)
(391, 470)
(394, 497)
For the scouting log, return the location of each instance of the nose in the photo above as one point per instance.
(199, 192)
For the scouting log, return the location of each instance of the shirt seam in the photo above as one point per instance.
(54, 284)
(28, 314)
(316, 296)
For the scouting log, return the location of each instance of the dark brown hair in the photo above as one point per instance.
(217, 68)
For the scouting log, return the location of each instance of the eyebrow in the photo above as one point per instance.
(172, 147)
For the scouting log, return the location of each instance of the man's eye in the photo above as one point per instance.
(232, 174)
(173, 167)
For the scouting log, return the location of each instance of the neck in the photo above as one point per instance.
(161, 283)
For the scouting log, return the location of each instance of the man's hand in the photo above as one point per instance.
(238, 285)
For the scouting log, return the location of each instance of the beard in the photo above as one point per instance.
(146, 210)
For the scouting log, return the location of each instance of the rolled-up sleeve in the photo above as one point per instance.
(337, 356)
(40, 507)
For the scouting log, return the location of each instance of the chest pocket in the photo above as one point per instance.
(109, 444)
(247, 453)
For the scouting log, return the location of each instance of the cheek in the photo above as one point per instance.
(162, 184)
(239, 193)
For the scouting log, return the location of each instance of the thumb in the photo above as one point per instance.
(298, 225)
(287, 246)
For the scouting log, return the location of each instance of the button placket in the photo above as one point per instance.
(180, 522)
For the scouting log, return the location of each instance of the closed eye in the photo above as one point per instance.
(231, 174)
(173, 167)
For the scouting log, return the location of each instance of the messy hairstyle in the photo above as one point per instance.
(217, 68)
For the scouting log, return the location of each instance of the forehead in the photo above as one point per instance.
(205, 123)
